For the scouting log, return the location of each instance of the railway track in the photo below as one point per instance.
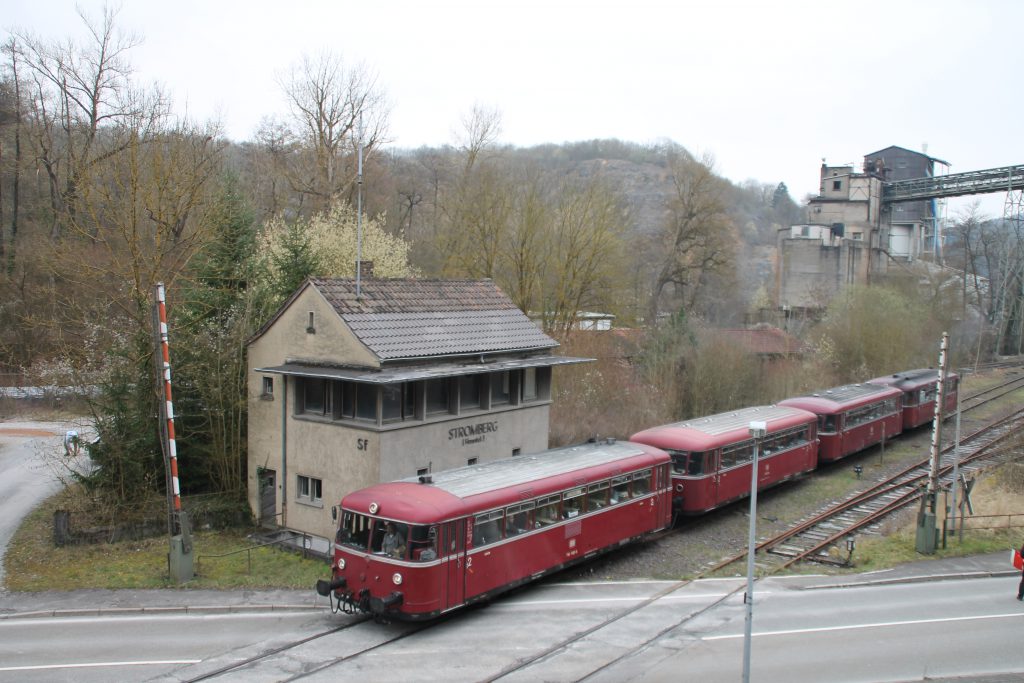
(808, 540)
(383, 639)
(812, 538)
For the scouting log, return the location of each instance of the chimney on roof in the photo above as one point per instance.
(365, 269)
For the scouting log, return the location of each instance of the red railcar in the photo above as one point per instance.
(711, 456)
(852, 417)
(919, 389)
(416, 548)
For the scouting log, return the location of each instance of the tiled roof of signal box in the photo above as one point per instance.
(412, 318)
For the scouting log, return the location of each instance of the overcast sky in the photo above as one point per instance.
(768, 87)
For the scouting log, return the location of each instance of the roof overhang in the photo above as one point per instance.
(420, 372)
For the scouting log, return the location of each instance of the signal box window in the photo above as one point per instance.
(310, 490)
(530, 384)
(437, 396)
(573, 503)
(547, 510)
(501, 388)
(469, 392)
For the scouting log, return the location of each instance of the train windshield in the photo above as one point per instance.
(826, 424)
(684, 462)
(386, 537)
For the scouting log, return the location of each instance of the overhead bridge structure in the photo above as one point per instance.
(1005, 179)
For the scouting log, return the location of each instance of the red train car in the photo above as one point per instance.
(711, 456)
(919, 389)
(416, 548)
(852, 417)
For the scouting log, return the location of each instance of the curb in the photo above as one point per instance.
(122, 611)
(915, 579)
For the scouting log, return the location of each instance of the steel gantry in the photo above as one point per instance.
(1004, 179)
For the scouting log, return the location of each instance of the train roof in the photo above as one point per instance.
(842, 398)
(712, 431)
(466, 490)
(909, 380)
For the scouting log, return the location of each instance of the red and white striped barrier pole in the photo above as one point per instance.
(165, 377)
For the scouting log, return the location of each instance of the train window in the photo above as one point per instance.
(597, 496)
(641, 483)
(390, 538)
(573, 503)
(678, 461)
(737, 455)
(620, 490)
(547, 510)
(695, 465)
(423, 543)
(518, 519)
(354, 530)
(911, 398)
(487, 528)
(826, 424)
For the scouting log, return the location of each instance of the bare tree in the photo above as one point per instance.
(698, 237)
(333, 109)
(83, 107)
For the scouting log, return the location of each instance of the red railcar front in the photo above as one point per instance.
(414, 549)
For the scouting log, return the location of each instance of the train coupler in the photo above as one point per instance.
(325, 588)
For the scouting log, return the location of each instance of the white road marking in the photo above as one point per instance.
(86, 665)
(881, 624)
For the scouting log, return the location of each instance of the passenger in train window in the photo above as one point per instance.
(517, 523)
(393, 544)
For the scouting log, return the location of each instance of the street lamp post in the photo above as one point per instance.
(757, 431)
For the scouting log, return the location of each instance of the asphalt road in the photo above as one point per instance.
(31, 456)
(928, 621)
(932, 621)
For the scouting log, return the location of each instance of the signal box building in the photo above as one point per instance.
(351, 385)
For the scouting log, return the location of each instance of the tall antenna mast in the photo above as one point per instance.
(359, 212)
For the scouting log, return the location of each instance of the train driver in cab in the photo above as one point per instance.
(393, 545)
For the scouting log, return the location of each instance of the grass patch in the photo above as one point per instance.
(33, 563)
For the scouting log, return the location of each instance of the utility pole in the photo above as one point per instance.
(926, 528)
(757, 431)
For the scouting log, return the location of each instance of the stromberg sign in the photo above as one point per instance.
(476, 433)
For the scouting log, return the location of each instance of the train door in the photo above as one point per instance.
(455, 547)
(715, 480)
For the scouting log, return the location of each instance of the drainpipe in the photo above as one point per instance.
(284, 452)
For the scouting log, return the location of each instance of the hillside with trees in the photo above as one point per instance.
(103, 193)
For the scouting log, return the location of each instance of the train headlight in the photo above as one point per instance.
(396, 578)
(341, 563)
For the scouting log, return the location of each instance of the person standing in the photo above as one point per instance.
(1020, 588)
